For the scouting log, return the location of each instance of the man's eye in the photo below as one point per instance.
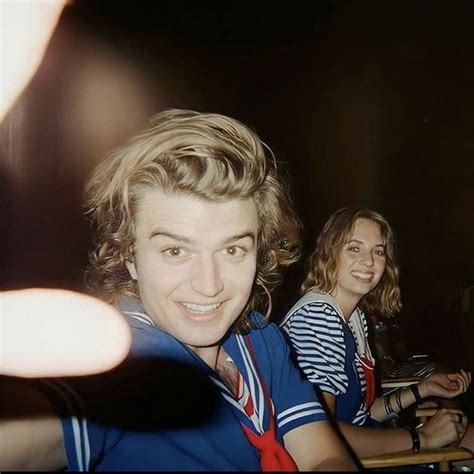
(234, 251)
(173, 252)
(353, 249)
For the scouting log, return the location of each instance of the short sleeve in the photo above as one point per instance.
(295, 400)
(316, 335)
(79, 436)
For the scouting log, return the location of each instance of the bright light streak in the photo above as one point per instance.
(26, 27)
(48, 333)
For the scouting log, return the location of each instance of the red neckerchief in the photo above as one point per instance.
(369, 375)
(273, 456)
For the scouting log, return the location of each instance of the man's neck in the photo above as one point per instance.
(217, 359)
(228, 372)
(208, 354)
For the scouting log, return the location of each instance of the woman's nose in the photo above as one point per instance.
(367, 258)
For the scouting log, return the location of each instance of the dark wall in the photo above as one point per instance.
(367, 103)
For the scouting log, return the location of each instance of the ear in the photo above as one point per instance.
(132, 269)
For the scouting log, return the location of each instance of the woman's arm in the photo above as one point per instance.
(395, 402)
(436, 385)
(445, 385)
(442, 429)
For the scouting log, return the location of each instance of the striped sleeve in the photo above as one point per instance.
(316, 334)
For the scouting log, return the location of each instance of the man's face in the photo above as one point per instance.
(361, 263)
(195, 263)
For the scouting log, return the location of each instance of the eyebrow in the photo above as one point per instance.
(159, 233)
(360, 242)
(187, 240)
(244, 235)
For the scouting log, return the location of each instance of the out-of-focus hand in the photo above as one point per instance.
(26, 29)
(445, 385)
(446, 427)
(50, 333)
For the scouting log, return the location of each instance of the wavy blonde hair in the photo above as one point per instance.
(206, 155)
(322, 265)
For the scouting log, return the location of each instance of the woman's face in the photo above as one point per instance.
(361, 263)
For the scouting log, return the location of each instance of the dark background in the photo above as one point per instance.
(367, 104)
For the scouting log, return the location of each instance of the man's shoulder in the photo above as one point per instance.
(266, 338)
(263, 327)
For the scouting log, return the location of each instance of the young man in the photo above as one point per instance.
(192, 224)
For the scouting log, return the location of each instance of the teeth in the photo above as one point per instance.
(363, 276)
(200, 308)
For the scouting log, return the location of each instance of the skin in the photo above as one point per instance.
(26, 30)
(361, 266)
(195, 263)
(43, 334)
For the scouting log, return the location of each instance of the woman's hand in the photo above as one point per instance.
(446, 427)
(445, 385)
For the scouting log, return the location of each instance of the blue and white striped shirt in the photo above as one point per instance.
(319, 334)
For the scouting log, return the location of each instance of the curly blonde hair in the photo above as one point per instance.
(322, 265)
(206, 155)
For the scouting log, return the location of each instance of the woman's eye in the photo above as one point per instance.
(380, 253)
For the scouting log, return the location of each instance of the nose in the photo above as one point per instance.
(367, 258)
(206, 277)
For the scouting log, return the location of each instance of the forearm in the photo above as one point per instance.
(317, 447)
(23, 447)
(367, 441)
(30, 433)
(468, 440)
(336, 464)
(393, 403)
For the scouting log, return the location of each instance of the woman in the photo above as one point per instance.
(353, 272)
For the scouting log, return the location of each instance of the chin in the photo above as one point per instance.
(203, 337)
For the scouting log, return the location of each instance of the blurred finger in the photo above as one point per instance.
(466, 376)
(27, 28)
(462, 383)
(38, 324)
